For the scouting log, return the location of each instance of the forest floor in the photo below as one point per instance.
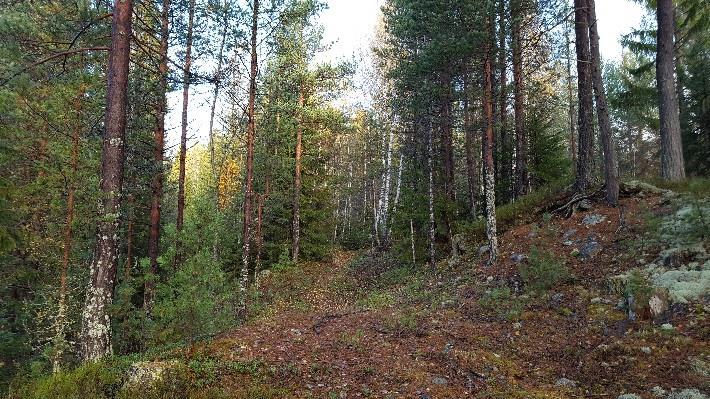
(548, 322)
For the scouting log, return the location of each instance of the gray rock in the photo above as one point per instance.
(568, 234)
(584, 205)
(646, 350)
(596, 300)
(591, 248)
(667, 327)
(439, 381)
(566, 382)
(658, 392)
(593, 219)
(148, 373)
(483, 250)
(687, 394)
(448, 348)
(517, 258)
(568, 243)
(629, 396)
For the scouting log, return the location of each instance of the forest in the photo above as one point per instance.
(196, 202)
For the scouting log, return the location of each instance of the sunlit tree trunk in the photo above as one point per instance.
(611, 167)
(488, 138)
(96, 322)
(432, 220)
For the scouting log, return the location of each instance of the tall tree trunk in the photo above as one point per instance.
(432, 220)
(447, 154)
(158, 148)
(96, 323)
(259, 234)
(386, 187)
(215, 94)
(611, 166)
(584, 82)
(570, 97)
(504, 148)
(521, 139)
(183, 133)
(488, 139)
(470, 144)
(672, 162)
(296, 233)
(62, 321)
(249, 175)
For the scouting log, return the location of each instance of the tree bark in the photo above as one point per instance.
(470, 154)
(584, 82)
(158, 148)
(96, 323)
(611, 166)
(522, 183)
(183, 132)
(504, 149)
(672, 162)
(296, 233)
(488, 140)
(62, 320)
(571, 111)
(249, 175)
(432, 220)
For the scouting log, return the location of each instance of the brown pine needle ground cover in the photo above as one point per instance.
(336, 330)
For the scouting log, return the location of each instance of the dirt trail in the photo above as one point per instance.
(325, 334)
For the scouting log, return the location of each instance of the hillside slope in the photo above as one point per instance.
(607, 302)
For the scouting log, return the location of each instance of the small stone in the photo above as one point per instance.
(584, 205)
(489, 279)
(646, 350)
(483, 250)
(593, 219)
(568, 243)
(517, 258)
(439, 381)
(566, 382)
(590, 248)
(629, 396)
(517, 325)
(448, 348)
(667, 327)
(568, 234)
(658, 391)
(596, 300)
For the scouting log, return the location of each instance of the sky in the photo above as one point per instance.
(348, 28)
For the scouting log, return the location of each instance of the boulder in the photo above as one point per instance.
(593, 219)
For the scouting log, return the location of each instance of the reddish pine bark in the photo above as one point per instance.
(249, 176)
(96, 323)
(158, 148)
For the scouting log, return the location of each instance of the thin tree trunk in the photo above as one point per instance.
(571, 110)
(611, 166)
(584, 82)
(470, 154)
(62, 321)
(488, 139)
(504, 149)
(672, 162)
(249, 176)
(522, 183)
(411, 238)
(259, 235)
(96, 323)
(183, 133)
(296, 234)
(447, 154)
(432, 220)
(384, 212)
(158, 148)
(215, 95)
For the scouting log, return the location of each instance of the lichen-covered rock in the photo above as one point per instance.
(684, 285)
(148, 373)
(628, 396)
(565, 382)
(593, 219)
(687, 394)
